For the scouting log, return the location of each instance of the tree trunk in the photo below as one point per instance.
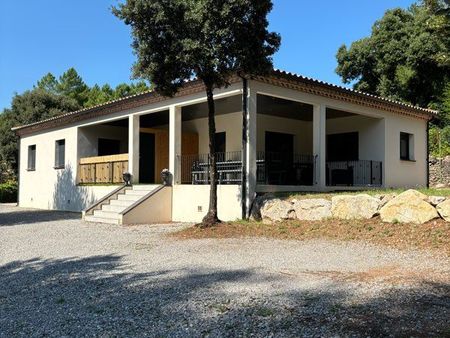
(211, 217)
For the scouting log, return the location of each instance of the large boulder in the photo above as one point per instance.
(258, 203)
(435, 200)
(443, 209)
(275, 210)
(410, 206)
(312, 209)
(360, 206)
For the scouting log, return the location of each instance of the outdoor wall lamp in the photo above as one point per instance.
(127, 178)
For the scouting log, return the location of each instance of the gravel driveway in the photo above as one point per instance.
(62, 277)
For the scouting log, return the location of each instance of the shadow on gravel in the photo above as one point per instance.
(98, 296)
(26, 216)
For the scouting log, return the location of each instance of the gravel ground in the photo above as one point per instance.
(62, 277)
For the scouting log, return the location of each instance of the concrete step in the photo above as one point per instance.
(137, 192)
(121, 203)
(115, 208)
(106, 214)
(95, 219)
(147, 187)
(128, 197)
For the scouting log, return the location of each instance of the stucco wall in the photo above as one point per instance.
(399, 173)
(49, 188)
(188, 198)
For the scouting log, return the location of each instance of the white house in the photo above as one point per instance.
(281, 132)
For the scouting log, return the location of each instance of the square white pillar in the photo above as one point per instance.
(319, 144)
(175, 125)
(250, 154)
(133, 147)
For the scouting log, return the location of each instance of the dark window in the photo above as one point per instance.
(343, 147)
(108, 147)
(60, 150)
(221, 141)
(32, 157)
(405, 146)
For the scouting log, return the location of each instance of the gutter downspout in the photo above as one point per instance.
(428, 154)
(244, 147)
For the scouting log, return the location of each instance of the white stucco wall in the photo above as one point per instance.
(49, 188)
(187, 199)
(399, 173)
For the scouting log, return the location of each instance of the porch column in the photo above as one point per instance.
(319, 145)
(175, 142)
(133, 147)
(250, 149)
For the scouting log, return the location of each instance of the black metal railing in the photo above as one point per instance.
(284, 168)
(354, 173)
(272, 168)
(195, 168)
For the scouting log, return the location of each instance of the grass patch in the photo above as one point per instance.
(371, 192)
(434, 235)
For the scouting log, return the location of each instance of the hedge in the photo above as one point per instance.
(8, 192)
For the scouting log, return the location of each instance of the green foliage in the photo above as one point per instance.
(8, 192)
(51, 97)
(71, 84)
(407, 56)
(439, 145)
(175, 40)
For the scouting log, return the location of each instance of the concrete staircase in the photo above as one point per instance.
(110, 210)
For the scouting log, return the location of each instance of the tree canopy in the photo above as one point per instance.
(176, 40)
(52, 96)
(407, 56)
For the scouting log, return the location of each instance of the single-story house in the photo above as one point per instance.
(280, 132)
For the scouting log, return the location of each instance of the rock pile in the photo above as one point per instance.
(410, 206)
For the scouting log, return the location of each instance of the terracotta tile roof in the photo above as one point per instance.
(277, 77)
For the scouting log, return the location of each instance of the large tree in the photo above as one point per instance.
(176, 40)
(407, 56)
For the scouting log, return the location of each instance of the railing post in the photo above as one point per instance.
(371, 172)
(319, 144)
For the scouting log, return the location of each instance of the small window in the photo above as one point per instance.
(221, 141)
(31, 157)
(406, 147)
(60, 150)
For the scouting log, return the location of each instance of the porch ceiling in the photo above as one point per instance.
(226, 105)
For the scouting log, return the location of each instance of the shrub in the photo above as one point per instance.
(8, 192)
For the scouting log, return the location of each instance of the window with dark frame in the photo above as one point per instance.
(405, 151)
(60, 153)
(31, 158)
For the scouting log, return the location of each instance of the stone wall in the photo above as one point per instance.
(439, 172)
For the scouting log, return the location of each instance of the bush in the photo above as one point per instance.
(8, 192)
(439, 141)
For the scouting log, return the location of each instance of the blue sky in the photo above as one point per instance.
(37, 37)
